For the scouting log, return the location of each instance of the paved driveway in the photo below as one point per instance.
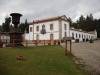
(89, 52)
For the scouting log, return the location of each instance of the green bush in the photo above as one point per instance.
(76, 40)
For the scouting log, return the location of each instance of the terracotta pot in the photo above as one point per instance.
(49, 43)
(54, 42)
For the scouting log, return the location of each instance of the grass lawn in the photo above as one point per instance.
(43, 60)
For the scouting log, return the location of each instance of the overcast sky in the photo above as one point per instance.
(38, 9)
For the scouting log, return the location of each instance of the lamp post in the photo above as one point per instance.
(43, 31)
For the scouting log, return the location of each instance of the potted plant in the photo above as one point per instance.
(77, 40)
(58, 42)
(54, 42)
(49, 43)
(83, 40)
(91, 41)
(87, 39)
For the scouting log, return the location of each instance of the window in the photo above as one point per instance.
(51, 36)
(82, 35)
(51, 26)
(79, 35)
(65, 26)
(87, 36)
(30, 29)
(37, 37)
(76, 35)
(73, 35)
(43, 31)
(37, 28)
(43, 27)
(65, 34)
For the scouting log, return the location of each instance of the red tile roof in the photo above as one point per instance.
(48, 19)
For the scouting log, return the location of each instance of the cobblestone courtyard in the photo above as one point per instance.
(88, 52)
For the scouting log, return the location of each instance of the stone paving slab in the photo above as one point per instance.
(88, 52)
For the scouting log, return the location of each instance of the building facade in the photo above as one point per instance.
(56, 28)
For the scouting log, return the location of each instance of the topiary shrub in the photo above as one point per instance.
(91, 41)
(76, 40)
(87, 39)
(83, 40)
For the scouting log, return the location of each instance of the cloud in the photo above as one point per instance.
(37, 9)
(97, 15)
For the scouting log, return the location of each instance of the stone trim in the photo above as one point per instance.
(48, 32)
(60, 29)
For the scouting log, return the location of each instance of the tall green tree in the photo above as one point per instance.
(98, 28)
(1, 29)
(90, 23)
(74, 24)
(81, 22)
(87, 24)
(27, 26)
(70, 21)
(6, 25)
(24, 26)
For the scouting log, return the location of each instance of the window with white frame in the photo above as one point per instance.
(76, 35)
(79, 35)
(51, 26)
(73, 35)
(65, 26)
(30, 29)
(82, 36)
(65, 33)
(51, 36)
(37, 28)
(37, 37)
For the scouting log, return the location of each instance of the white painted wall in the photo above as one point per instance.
(5, 37)
(26, 36)
(31, 35)
(46, 36)
(63, 29)
(85, 35)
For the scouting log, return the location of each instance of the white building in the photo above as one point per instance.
(4, 37)
(56, 28)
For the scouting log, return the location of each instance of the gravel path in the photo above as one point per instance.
(88, 52)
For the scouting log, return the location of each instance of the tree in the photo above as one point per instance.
(86, 24)
(6, 25)
(98, 28)
(70, 21)
(90, 23)
(1, 29)
(74, 25)
(81, 22)
(27, 26)
(24, 26)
